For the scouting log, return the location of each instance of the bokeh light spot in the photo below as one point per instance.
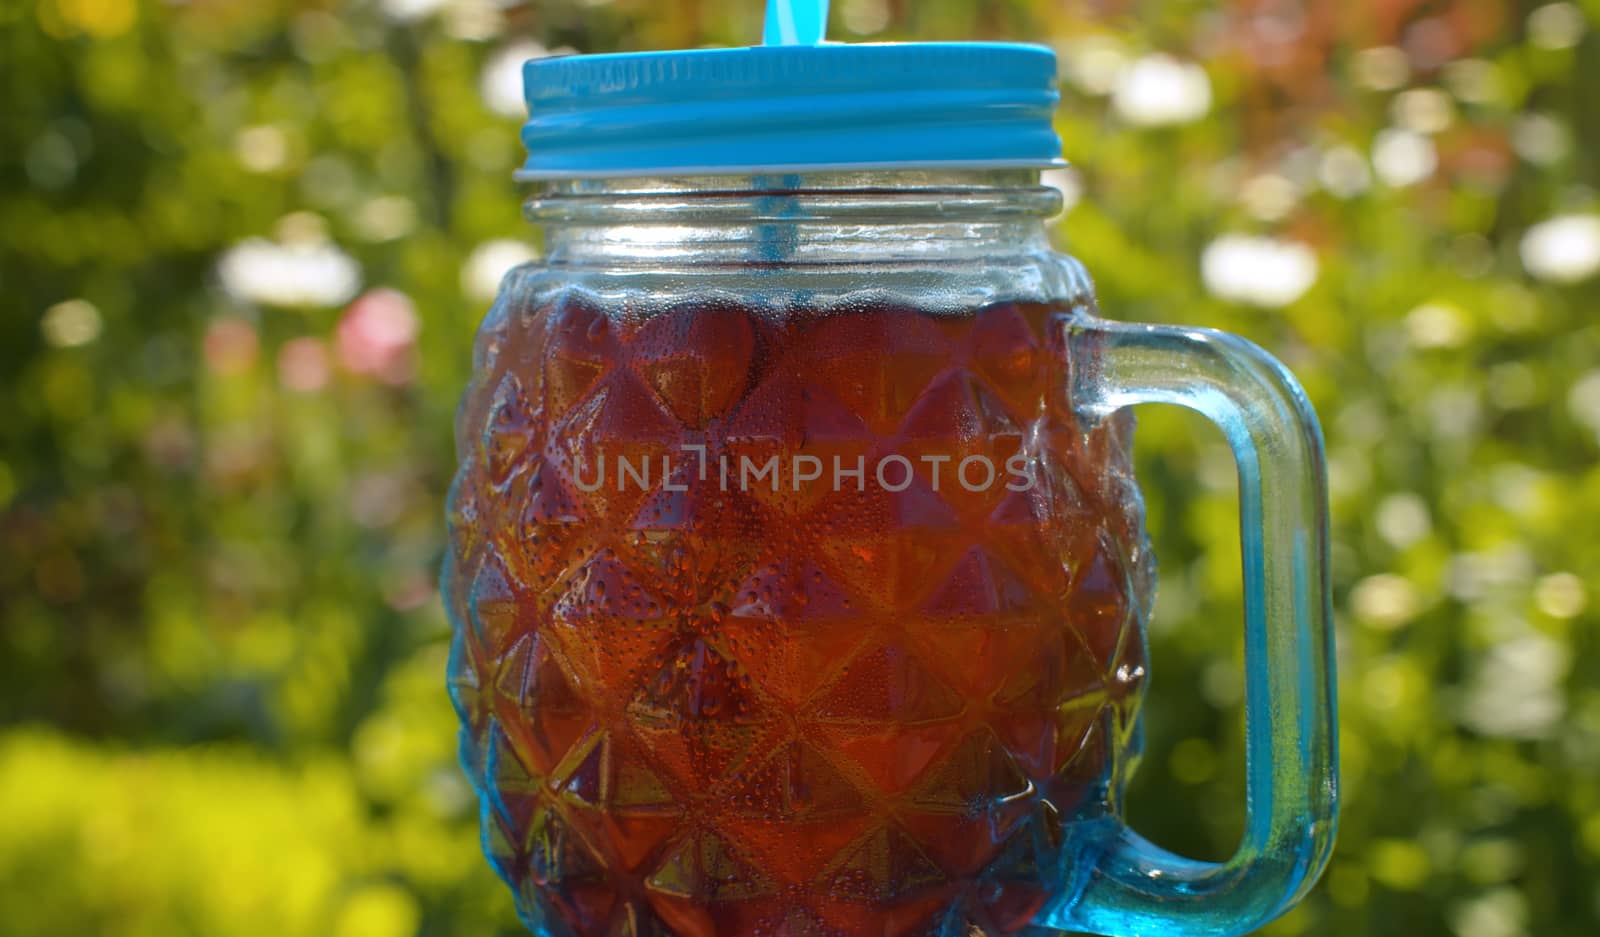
(1423, 110)
(71, 324)
(1344, 172)
(1403, 157)
(1556, 26)
(291, 275)
(262, 149)
(865, 17)
(1194, 761)
(1158, 90)
(1093, 63)
(1402, 519)
(1564, 249)
(501, 81)
(1399, 864)
(1382, 68)
(1502, 912)
(1561, 595)
(378, 911)
(1258, 271)
(488, 265)
(1540, 139)
(1385, 601)
(1438, 325)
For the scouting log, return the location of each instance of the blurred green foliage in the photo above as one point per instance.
(221, 653)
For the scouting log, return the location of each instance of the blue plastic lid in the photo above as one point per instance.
(792, 109)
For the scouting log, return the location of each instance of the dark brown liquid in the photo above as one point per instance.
(699, 705)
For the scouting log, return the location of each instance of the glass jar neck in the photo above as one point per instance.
(795, 219)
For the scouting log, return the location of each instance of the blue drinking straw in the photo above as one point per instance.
(796, 22)
(789, 23)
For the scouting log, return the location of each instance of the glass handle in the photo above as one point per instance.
(1135, 888)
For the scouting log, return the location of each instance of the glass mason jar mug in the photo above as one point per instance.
(797, 568)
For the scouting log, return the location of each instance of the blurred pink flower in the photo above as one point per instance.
(303, 365)
(378, 336)
(230, 345)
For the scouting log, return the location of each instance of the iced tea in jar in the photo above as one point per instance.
(797, 570)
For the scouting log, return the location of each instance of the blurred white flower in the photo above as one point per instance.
(297, 274)
(1158, 90)
(489, 264)
(1093, 63)
(501, 81)
(1344, 172)
(71, 323)
(1564, 249)
(1556, 26)
(1258, 271)
(1403, 157)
